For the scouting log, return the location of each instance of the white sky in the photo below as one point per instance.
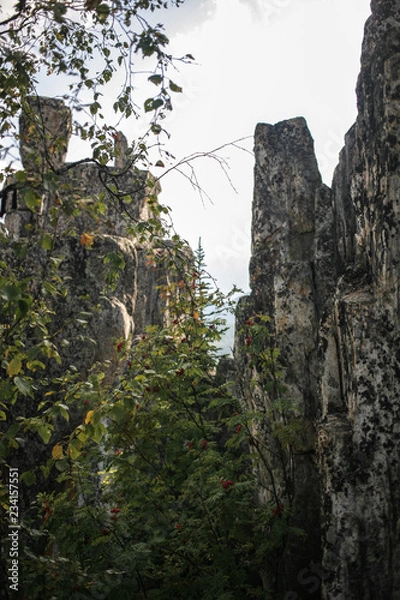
(257, 61)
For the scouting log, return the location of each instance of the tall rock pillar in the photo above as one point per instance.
(282, 278)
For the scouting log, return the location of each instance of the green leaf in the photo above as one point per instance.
(13, 430)
(24, 305)
(103, 10)
(50, 287)
(62, 465)
(152, 104)
(64, 410)
(94, 107)
(98, 433)
(33, 199)
(174, 87)
(117, 413)
(156, 79)
(45, 433)
(20, 176)
(156, 128)
(47, 241)
(82, 437)
(23, 386)
(59, 9)
(28, 477)
(74, 448)
(11, 293)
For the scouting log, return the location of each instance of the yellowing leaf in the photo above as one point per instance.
(89, 417)
(86, 239)
(195, 315)
(57, 452)
(14, 366)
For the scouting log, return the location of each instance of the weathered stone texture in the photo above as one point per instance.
(361, 476)
(282, 278)
(44, 134)
(325, 265)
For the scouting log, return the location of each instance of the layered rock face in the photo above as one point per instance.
(325, 266)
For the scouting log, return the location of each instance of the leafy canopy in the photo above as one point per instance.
(85, 49)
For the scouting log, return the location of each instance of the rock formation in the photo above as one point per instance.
(61, 188)
(40, 206)
(325, 266)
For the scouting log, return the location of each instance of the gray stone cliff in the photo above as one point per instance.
(325, 266)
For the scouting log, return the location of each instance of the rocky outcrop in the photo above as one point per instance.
(105, 288)
(66, 201)
(325, 266)
(287, 190)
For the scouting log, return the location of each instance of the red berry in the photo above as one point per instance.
(238, 429)
(248, 340)
(227, 483)
(177, 526)
(204, 444)
(120, 346)
(278, 510)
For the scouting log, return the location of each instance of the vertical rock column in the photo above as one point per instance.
(360, 385)
(287, 186)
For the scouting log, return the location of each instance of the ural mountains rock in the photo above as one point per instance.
(325, 266)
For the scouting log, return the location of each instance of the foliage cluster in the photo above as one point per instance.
(96, 52)
(155, 490)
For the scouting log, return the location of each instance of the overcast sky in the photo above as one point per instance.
(257, 61)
